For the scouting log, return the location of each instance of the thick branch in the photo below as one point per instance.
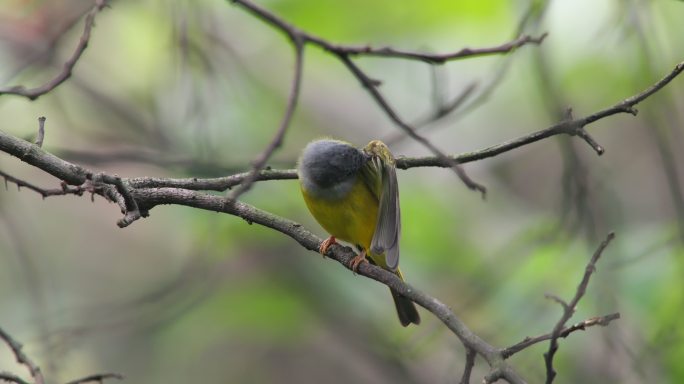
(39, 158)
(150, 197)
(147, 198)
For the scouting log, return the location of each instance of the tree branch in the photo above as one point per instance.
(469, 364)
(569, 308)
(343, 53)
(99, 377)
(432, 58)
(143, 194)
(12, 378)
(22, 358)
(147, 198)
(277, 140)
(67, 69)
(568, 127)
(565, 332)
(34, 369)
(387, 52)
(572, 127)
(64, 190)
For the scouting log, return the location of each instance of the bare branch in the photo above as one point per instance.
(569, 308)
(571, 127)
(213, 184)
(12, 378)
(32, 154)
(371, 86)
(64, 190)
(565, 332)
(388, 52)
(131, 195)
(277, 141)
(41, 131)
(67, 69)
(14, 345)
(566, 127)
(431, 58)
(77, 175)
(147, 198)
(56, 166)
(343, 53)
(34, 370)
(99, 377)
(469, 364)
(129, 207)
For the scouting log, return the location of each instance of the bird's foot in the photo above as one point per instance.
(357, 260)
(323, 249)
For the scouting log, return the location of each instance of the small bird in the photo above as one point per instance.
(354, 195)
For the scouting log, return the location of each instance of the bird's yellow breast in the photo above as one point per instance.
(351, 218)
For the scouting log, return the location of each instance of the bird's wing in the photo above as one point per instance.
(381, 176)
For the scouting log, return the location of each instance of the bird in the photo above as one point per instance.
(354, 195)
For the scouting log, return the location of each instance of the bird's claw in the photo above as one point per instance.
(357, 260)
(326, 244)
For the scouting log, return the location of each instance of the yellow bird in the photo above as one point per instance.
(353, 193)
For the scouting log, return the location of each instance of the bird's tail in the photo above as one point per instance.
(406, 309)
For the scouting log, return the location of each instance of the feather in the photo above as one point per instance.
(381, 173)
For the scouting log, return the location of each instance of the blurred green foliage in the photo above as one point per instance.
(193, 89)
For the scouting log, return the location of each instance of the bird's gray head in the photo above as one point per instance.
(328, 168)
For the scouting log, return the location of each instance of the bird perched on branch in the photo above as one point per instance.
(353, 193)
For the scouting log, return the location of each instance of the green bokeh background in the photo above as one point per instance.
(197, 88)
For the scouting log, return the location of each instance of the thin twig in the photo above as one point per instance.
(469, 364)
(569, 308)
(15, 346)
(68, 67)
(388, 52)
(565, 332)
(41, 131)
(372, 88)
(565, 127)
(99, 377)
(148, 198)
(571, 127)
(277, 141)
(12, 378)
(55, 166)
(444, 108)
(343, 53)
(65, 190)
(436, 58)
